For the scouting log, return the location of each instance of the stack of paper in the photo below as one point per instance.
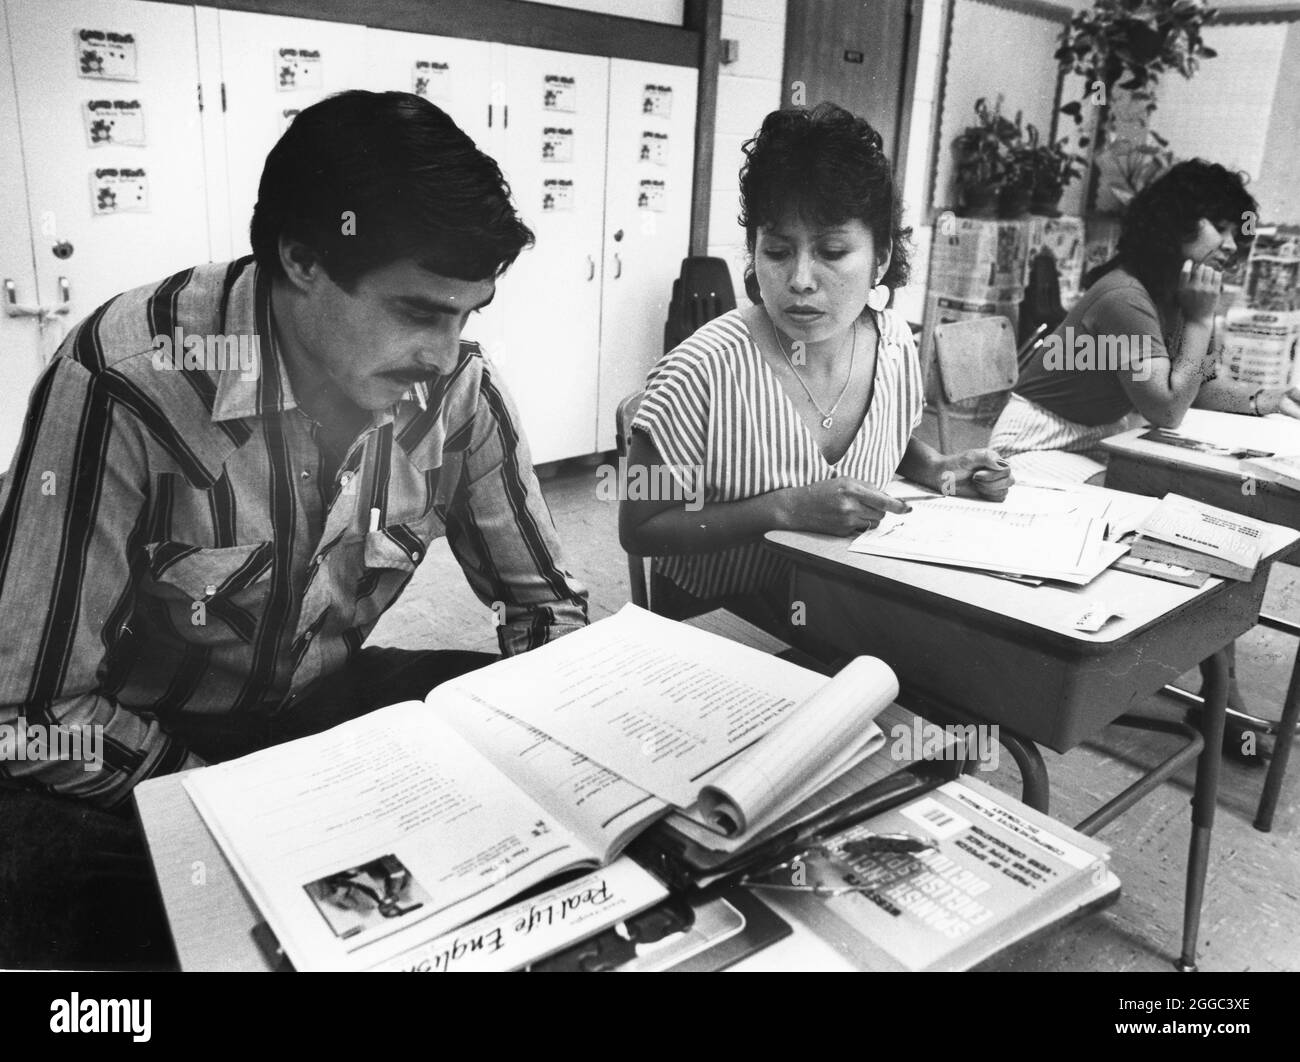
(1037, 532)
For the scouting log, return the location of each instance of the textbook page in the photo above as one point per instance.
(863, 772)
(659, 703)
(601, 808)
(826, 735)
(358, 843)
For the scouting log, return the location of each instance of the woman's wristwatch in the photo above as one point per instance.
(1254, 402)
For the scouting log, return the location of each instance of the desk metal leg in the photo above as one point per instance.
(1203, 804)
(1034, 788)
(1119, 804)
(1281, 752)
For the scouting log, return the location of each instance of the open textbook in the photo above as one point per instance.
(1038, 532)
(364, 843)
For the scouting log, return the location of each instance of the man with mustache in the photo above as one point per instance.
(191, 560)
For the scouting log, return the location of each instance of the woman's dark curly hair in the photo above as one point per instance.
(1167, 212)
(827, 166)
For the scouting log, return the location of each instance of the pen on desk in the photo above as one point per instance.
(848, 812)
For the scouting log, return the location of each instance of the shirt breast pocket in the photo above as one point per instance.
(215, 595)
(390, 556)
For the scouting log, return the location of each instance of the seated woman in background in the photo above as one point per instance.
(1140, 338)
(793, 413)
(1146, 323)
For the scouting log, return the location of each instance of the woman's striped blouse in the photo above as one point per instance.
(714, 407)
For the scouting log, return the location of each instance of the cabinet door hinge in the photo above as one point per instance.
(200, 88)
(223, 97)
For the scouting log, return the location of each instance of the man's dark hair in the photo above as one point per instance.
(1167, 213)
(415, 186)
(826, 166)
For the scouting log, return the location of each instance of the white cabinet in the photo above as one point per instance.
(598, 154)
(272, 67)
(453, 73)
(554, 158)
(125, 213)
(20, 328)
(647, 222)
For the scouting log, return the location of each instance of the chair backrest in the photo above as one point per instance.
(623, 417)
(1042, 302)
(701, 292)
(975, 358)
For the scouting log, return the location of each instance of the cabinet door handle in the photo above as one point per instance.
(12, 306)
(618, 266)
(591, 268)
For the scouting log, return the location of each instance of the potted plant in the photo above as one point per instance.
(984, 158)
(1129, 166)
(1121, 48)
(1050, 169)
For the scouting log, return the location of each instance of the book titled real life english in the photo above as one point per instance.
(363, 844)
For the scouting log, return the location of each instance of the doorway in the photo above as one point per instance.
(860, 54)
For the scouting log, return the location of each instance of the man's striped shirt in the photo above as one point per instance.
(169, 552)
(714, 404)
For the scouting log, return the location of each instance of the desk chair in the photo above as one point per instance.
(972, 359)
(1041, 306)
(702, 292)
(623, 418)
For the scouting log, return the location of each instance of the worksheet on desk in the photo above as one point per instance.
(1052, 535)
(1040, 499)
(1278, 434)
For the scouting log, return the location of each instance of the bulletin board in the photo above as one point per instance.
(991, 47)
(1242, 108)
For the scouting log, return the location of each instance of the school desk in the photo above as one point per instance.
(974, 647)
(211, 917)
(1144, 466)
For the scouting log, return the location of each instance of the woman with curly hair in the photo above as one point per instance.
(1147, 319)
(793, 413)
(1141, 337)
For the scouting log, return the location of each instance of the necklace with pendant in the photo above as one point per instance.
(828, 416)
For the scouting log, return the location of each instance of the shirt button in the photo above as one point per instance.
(306, 473)
(210, 590)
(416, 556)
(307, 637)
(345, 479)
